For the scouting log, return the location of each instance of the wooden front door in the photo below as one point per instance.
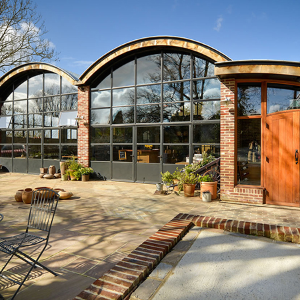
(282, 146)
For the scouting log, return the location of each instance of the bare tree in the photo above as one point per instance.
(22, 34)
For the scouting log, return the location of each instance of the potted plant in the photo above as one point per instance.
(188, 182)
(209, 184)
(85, 173)
(167, 178)
(176, 179)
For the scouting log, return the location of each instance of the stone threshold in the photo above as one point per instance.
(120, 281)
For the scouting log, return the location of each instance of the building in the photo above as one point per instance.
(153, 105)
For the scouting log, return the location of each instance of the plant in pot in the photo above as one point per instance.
(85, 173)
(188, 182)
(73, 169)
(176, 179)
(209, 184)
(167, 178)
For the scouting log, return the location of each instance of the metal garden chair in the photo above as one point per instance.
(41, 214)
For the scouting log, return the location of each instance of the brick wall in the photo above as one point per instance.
(84, 128)
(229, 191)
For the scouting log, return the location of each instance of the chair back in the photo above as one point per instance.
(42, 210)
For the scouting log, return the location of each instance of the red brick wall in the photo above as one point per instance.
(84, 127)
(229, 191)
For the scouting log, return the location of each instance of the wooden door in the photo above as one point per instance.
(281, 142)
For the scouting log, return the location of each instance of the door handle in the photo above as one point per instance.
(296, 156)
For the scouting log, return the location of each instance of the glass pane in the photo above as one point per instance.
(35, 136)
(51, 104)
(124, 75)
(69, 102)
(148, 113)
(211, 89)
(148, 135)
(35, 105)
(100, 135)
(21, 91)
(176, 134)
(51, 152)
(34, 151)
(207, 110)
(207, 133)
(20, 121)
(20, 136)
(122, 153)
(51, 136)
(20, 107)
(199, 150)
(36, 86)
(100, 99)
(68, 135)
(105, 83)
(67, 87)
(176, 66)
(249, 99)
(122, 134)
(52, 84)
(249, 151)
(202, 68)
(149, 69)
(35, 120)
(66, 118)
(148, 154)
(68, 151)
(100, 116)
(100, 153)
(19, 151)
(123, 97)
(5, 137)
(52, 119)
(5, 122)
(6, 109)
(175, 112)
(10, 95)
(6, 151)
(148, 94)
(177, 91)
(123, 115)
(282, 97)
(178, 155)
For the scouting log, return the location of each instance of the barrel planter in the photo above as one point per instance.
(189, 189)
(210, 187)
(27, 195)
(18, 196)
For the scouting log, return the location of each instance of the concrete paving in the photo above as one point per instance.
(221, 265)
(101, 224)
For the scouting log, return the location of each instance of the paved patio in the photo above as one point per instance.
(102, 224)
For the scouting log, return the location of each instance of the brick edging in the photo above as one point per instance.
(120, 281)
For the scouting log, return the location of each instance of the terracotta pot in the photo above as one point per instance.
(189, 190)
(52, 170)
(57, 175)
(85, 177)
(62, 165)
(43, 187)
(73, 178)
(65, 195)
(59, 190)
(49, 176)
(18, 195)
(176, 188)
(64, 177)
(27, 195)
(210, 187)
(42, 175)
(44, 170)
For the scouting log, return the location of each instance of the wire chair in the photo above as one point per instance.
(41, 214)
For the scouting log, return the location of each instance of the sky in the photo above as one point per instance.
(83, 31)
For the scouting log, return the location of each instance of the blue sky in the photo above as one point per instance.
(83, 31)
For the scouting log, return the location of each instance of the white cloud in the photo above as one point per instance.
(80, 63)
(219, 24)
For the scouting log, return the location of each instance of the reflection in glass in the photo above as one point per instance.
(176, 91)
(5, 122)
(148, 94)
(148, 154)
(206, 89)
(51, 152)
(19, 151)
(21, 91)
(148, 113)
(105, 83)
(34, 151)
(69, 102)
(6, 151)
(282, 97)
(122, 134)
(6, 108)
(176, 66)
(207, 133)
(52, 84)
(35, 86)
(20, 136)
(20, 107)
(178, 155)
(150, 134)
(249, 99)
(149, 69)
(67, 151)
(100, 116)
(176, 134)
(67, 87)
(100, 153)
(202, 68)
(206, 110)
(123, 97)
(35, 105)
(100, 135)
(123, 115)
(68, 135)
(35, 120)
(124, 75)
(51, 119)
(100, 99)
(35, 136)
(51, 136)
(66, 118)
(5, 137)
(51, 104)
(20, 121)
(122, 153)
(249, 151)
(175, 112)
(209, 149)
